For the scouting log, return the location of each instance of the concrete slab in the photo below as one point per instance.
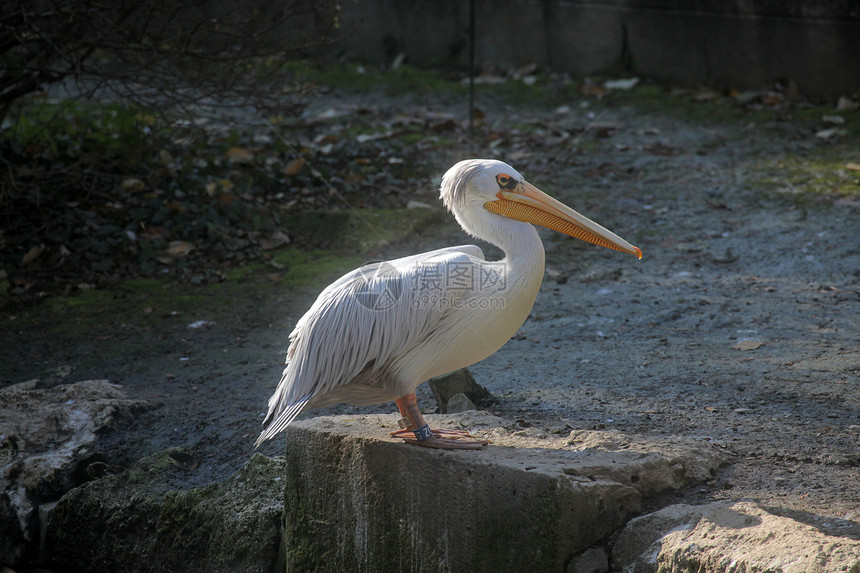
(357, 500)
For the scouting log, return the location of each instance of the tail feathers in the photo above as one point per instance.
(274, 425)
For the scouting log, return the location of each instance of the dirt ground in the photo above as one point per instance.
(739, 326)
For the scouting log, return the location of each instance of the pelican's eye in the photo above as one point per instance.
(506, 182)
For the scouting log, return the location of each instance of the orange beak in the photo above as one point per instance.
(529, 204)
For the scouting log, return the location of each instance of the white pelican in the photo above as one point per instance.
(379, 331)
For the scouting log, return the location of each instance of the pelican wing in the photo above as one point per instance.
(345, 347)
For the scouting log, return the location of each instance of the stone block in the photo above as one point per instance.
(357, 500)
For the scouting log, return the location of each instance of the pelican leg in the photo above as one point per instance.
(419, 433)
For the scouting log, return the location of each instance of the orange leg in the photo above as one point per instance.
(419, 433)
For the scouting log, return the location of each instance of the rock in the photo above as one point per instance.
(144, 520)
(458, 382)
(653, 465)
(357, 500)
(592, 560)
(459, 403)
(733, 536)
(48, 435)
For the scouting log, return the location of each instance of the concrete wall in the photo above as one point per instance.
(744, 44)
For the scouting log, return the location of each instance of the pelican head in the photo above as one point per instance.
(485, 194)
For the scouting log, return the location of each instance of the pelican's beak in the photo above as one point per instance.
(529, 204)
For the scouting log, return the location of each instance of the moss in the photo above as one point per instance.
(140, 520)
(804, 176)
(312, 267)
(85, 299)
(79, 127)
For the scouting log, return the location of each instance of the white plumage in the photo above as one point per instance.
(379, 331)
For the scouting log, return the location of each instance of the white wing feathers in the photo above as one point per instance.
(345, 348)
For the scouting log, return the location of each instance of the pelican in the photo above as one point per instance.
(379, 331)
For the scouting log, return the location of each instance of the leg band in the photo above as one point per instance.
(422, 433)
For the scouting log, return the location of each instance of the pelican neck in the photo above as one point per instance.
(523, 250)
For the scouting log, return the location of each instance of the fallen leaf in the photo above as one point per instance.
(829, 133)
(398, 60)
(227, 198)
(704, 95)
(154, 231)
(525, 70)
(180, 248)
(624, 85)
(846, 104)
(365, 137)
(747, 97)
(239, 155)
(444, 125)
(590, 89)
(276, 240)
(294, 166)
(132, 185)
(487, 79)
(691, 247)
(748, 345)
(32, 255)
(165, 157)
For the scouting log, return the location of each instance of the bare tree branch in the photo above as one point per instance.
(197, 48)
